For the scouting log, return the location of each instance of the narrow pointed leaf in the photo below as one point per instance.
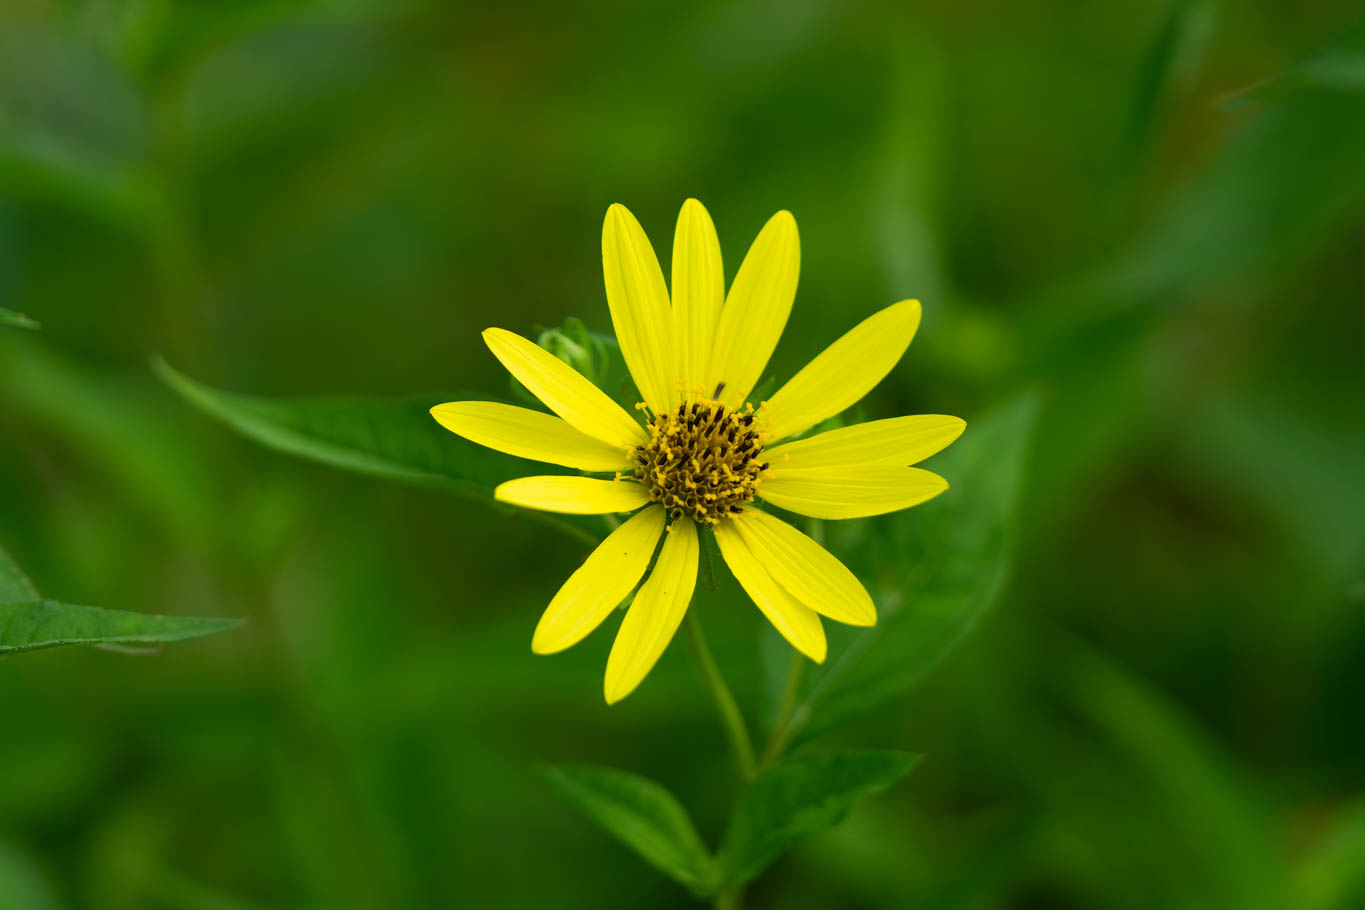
(33, 625)
(390, 438)
(396, 439)
(29, 623)
(643, 816)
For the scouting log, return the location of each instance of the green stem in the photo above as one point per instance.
(731, 718)
(777, 742)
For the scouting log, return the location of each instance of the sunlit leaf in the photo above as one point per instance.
(797, 798)
(643, 816)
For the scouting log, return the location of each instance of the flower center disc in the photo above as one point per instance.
(701, 461)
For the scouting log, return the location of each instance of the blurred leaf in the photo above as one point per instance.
(1242, 225)
(36, 624)
(643, 816)
(177, 36)
(14, 584)
(124, 429)
(1178, 48)
(1332, 876)
(17, 320)
(1226, 224)
(1230, 839)
(797, 798)
(175, 889)
(1241, 443)
(949, 560)
(394, 439)
(22, 884)
(1339, 65)
(909, 174)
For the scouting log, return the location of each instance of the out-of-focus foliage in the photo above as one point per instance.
(1145, 219)
(17, 320)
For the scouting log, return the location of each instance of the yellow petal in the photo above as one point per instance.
(698, 291)
(529, 434)
(849, 492)
(755, 311)
(564, 390)
(574, 495)
(638, 299)
(597, 586)
(655, 613)
(805, 569)
(894, 441)
(845, 371)
(798, 623)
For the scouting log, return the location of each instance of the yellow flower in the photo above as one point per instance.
(707, 451)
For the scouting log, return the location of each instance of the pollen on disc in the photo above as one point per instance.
(702, 461)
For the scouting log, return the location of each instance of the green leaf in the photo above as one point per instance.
(1171, 61)
(36, 624)
(643, 816)
(29, 623)
(17, 320)
(22, 881)
(1332, 875)
(14, 584)
(395, 439)
(1339, 65)
(797, 798)
(126, 432)
(1217, 820)
(949, 559)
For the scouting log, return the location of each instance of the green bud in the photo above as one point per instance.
(576, 346)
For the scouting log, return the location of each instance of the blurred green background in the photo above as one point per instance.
(1151, 215)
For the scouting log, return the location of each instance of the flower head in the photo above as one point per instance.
(705, 452)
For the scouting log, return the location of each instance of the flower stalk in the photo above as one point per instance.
(736, 731)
